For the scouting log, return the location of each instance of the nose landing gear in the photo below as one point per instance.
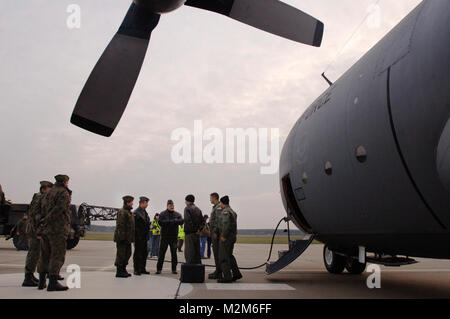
(336, 263)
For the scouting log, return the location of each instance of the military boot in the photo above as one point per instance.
(28, 281)
(34, 279)
(42, 281)
(54, 285)
(224, 281)
(237, 276)
(121, 273)
(213, 275)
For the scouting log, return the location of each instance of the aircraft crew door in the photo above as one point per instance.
(292, 205)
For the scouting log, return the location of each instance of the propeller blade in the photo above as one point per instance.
(108, 89)
(272, 16)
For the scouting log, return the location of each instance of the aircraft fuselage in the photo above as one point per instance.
(368, 163)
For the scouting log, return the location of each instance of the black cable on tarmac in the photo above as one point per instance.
(247, 268)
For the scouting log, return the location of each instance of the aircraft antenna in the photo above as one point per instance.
(347, 42)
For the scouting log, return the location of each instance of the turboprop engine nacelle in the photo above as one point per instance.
(161, 6)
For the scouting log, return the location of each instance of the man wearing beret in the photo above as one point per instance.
(53, 230)
(142, 225)
(124, 236)
(34, 244)
(228, 233)
(193, 223)
(169, 220)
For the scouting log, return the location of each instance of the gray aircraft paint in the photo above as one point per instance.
(395, 103)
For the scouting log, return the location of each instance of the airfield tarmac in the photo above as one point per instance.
(304, 278)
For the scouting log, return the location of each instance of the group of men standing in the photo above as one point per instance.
(48, 226)
(133, 227)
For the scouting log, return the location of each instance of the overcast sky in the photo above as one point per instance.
(200, 66)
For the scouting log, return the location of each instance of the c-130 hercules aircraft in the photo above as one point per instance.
(366, 169)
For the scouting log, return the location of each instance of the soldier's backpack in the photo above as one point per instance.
(192, 273)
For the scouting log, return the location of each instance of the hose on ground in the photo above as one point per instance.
(247, 268)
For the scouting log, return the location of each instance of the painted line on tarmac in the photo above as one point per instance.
(243, 286)
(82, 267)
(299, 271)
(106, 268)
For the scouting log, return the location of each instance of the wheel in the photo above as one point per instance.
(20, 243)
(72, 242)
(354, 267)
(334, 263)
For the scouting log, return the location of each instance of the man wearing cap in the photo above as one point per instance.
(124, 236)
(169, 220)
(2, 197)
(213, 223)
(228, 233)
(142, 225)
(53, 229)
(193, 223)
(34, 244)
(3, 208)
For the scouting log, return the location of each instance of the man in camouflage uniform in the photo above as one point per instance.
(20, 230)
(142, 225)
(215, 215)
(2, 196)
(124, 236)
(228, 233)
(3, 208)
(34, 244)
(53, 230)
(193, 223)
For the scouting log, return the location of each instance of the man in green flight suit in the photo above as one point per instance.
(124, 236)
(213, 222)
(34, 243)
(228, 233)
(53, 230)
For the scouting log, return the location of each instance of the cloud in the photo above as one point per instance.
(199, 66)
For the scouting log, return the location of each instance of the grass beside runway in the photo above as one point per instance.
(242, 239)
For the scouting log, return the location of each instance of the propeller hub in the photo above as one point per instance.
(160, 6)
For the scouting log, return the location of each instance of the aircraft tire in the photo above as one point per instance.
(20, 244)
(354, 267)
(334, 263)
(72, 242)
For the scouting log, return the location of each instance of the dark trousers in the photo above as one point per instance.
(165, 242)
(209, 247)
(215, 249)
(180, 244)
(228, 264)
(192, 249)
(123, 254)
(140, 255)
